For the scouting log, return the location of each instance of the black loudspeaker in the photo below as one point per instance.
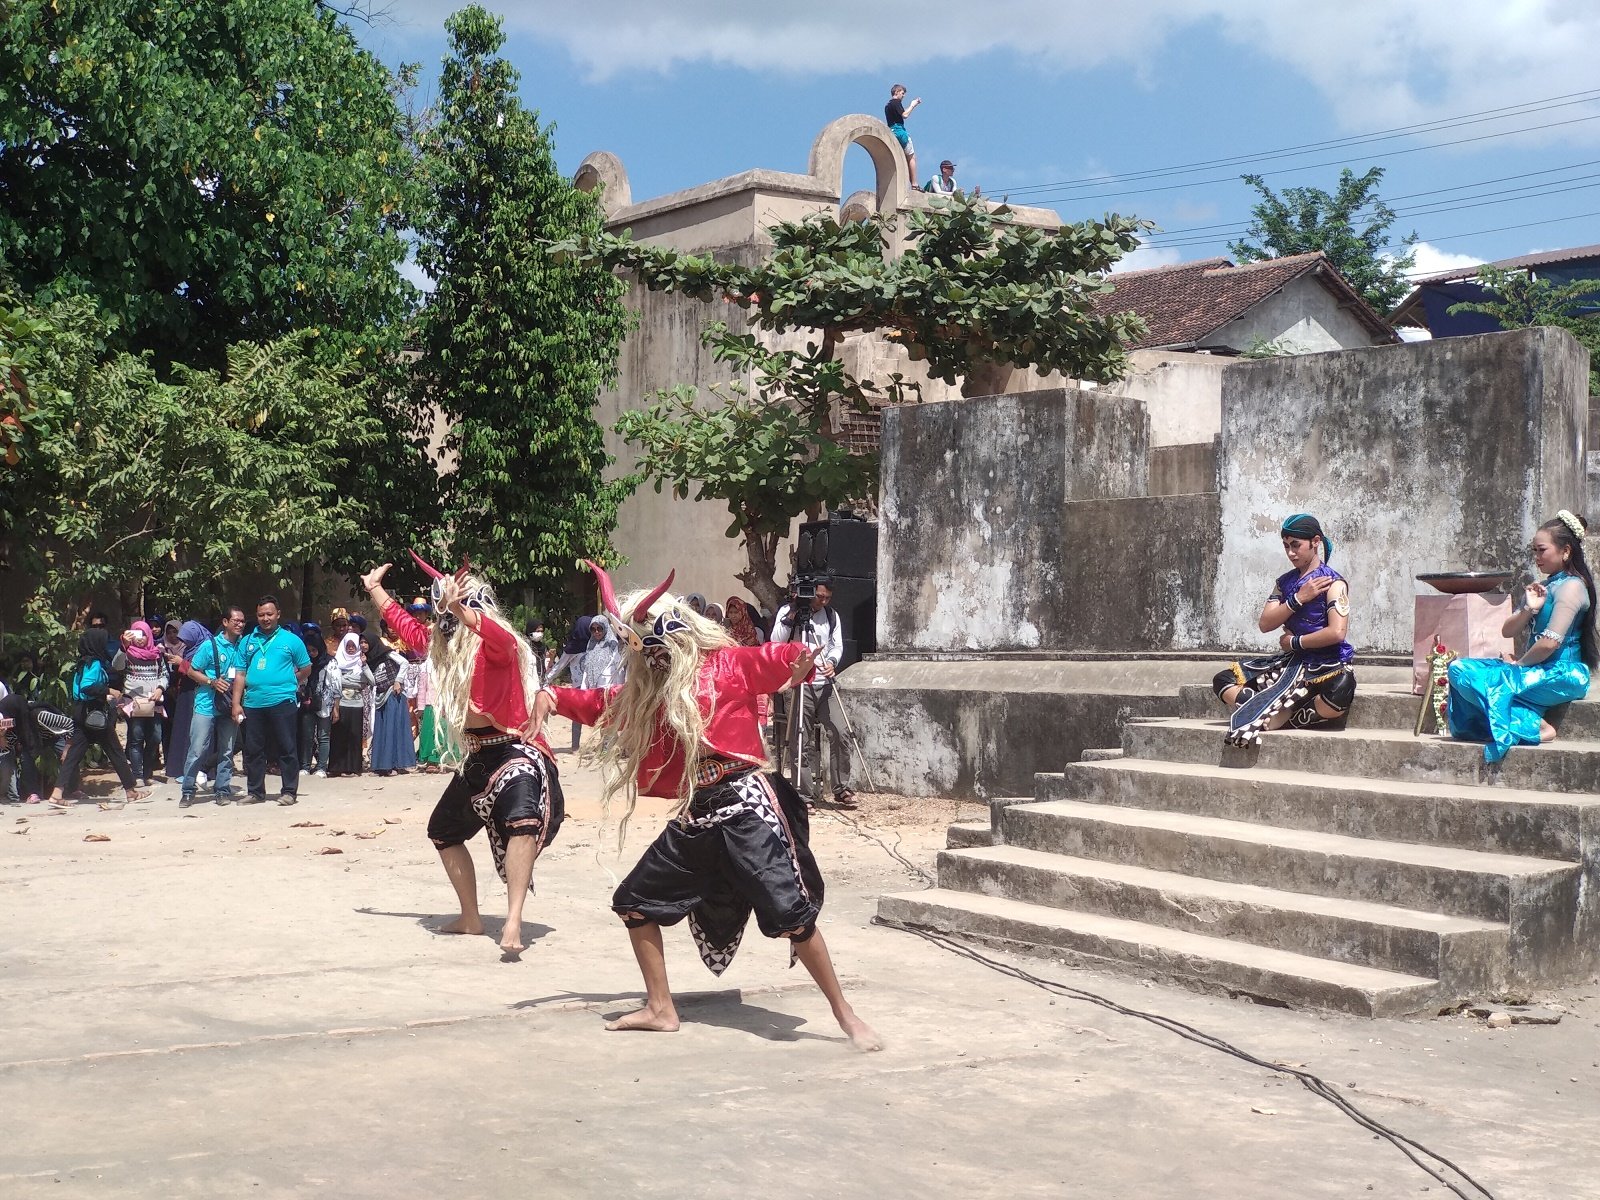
(837, 547)
(856, 602)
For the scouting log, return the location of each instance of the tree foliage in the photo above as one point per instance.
(515, 345)
(974, 288)
(1519, 300)
(211, 171)
(1350, 225)
(764, 449)
(127, 478)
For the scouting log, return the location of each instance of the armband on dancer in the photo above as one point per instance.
(1294, 602)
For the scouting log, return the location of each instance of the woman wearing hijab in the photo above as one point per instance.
(316, 706)
(741, 623)
(575, 647)
(392, 747)
(144, 690)
(354, 679)
(93, 720)
(600, 666)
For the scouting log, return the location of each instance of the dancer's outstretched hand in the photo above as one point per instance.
(802, 668)
(375, 576)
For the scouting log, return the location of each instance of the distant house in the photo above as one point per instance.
(1428, 307)
(1299, 305)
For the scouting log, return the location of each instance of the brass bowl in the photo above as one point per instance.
(1460, 583)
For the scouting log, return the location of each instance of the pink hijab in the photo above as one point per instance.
(148, 652)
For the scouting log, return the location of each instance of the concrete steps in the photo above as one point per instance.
(1363, 869)
(1237, 967)
(1499, 819)
(1563, 766)
(1390, 706)
(1424, 944)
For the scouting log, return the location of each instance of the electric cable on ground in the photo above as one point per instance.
(1436, 1165)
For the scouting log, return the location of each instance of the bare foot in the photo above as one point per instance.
(861, 1035)
(1547, 732)
(647, 1020)
(472, 925)
(511, 938)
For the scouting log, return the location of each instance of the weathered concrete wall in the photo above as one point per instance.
(1432, 456)
(659, 533)
(1303, 318)
(1153, 591)
(970, 547)
(1183, 393)
(1184, 470)
(980, 729)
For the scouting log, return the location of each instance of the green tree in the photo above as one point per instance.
(973, 290)
(515, 345)
(1351, 226)
(211, 171)
(1518, 300)
(127, 479)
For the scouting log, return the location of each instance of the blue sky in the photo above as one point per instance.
(1028, 93)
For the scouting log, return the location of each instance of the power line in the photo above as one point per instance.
(1461, 120)
(1462, 187)
(1337, 162)
(1510, 196)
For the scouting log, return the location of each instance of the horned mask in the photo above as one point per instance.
(639, 629)
(478, 597)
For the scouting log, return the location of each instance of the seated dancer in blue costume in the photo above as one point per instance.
(1502, 704)
(1311, 680)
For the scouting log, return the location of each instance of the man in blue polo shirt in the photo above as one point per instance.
(266, 697)
(217, 663)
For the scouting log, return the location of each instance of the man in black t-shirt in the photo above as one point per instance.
(894, 116)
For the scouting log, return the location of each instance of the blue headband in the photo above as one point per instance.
(1304, 525)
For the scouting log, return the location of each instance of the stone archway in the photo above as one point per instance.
(872, 135)
(603, 171)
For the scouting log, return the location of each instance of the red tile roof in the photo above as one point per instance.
(1187, 303)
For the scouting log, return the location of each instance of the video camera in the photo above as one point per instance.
(802, 590)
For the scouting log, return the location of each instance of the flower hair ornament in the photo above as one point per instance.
(639, 630)
(1573, 524)
(478, 597)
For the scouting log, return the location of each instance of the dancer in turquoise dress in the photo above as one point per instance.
(1502, 703)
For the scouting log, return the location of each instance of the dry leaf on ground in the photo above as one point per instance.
(306, 825)
(386, 820)
(254, 837)
(330, 850)
(367, 837)
(97, 837)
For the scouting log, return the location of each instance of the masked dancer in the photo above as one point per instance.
(683, 725)
(505, 782)
(1310, 681)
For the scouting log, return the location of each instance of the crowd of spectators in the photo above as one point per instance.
(290, 698)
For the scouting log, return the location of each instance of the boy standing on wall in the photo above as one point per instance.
(894, 116)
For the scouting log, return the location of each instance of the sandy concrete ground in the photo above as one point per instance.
(209, 1006)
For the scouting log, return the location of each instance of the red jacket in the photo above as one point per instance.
(496, 676)
(730, 682)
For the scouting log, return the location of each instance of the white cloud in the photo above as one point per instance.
(1379, 64)
(1147, 256)
(1431, 260)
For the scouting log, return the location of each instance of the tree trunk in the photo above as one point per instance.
(761, 576)
(987, 379)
